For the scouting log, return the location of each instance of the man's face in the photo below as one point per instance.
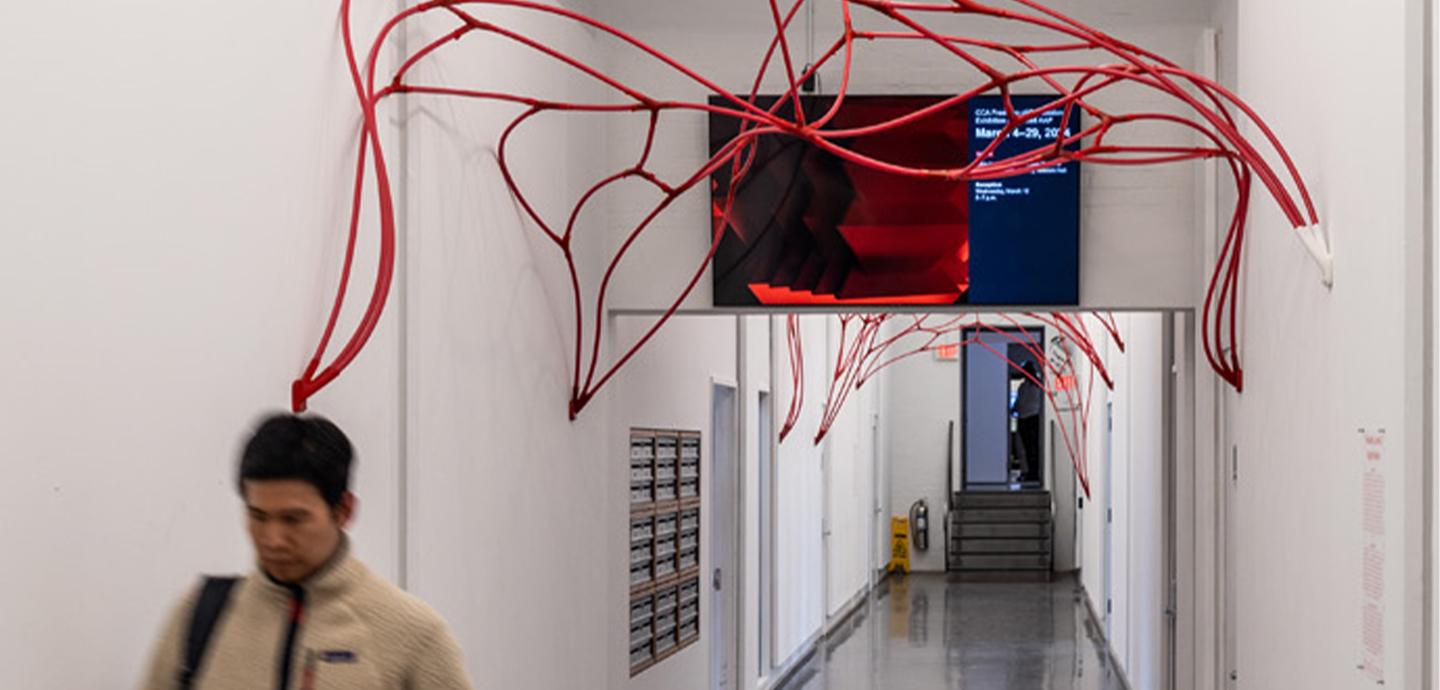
(293, 529)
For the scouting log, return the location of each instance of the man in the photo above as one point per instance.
(1029, 402)
(311, 616)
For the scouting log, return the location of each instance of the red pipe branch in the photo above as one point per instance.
(1216, 116)
(862, 354)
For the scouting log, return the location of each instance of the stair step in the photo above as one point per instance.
(1006, 576)
(1001, 530)
(1004, 562)
(1003, 499)
(1007, 546)
(1033, 515)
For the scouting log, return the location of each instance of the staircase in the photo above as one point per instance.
(1001, 536)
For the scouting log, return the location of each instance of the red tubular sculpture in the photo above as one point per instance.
(862, 355)
(797, 374)
(1216, 116)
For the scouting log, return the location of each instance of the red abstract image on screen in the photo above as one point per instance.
(806, 227)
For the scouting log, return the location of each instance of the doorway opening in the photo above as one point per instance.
(1003, 408)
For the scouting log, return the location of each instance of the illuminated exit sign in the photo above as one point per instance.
(945, 352)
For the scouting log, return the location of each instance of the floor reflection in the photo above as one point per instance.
(926, 632)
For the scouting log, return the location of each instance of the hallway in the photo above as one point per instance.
(926, 632)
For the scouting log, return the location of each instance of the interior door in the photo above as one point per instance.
(987, 413)
(724, 464)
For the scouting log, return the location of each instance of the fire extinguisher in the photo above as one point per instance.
(920, 525)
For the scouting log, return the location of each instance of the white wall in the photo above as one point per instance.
(799, 558)
(756, 379)
(1124, 517)
(1091, 517)
(922, 398)
(850, 488)
(1138, 224)
(1145, 500)
(507, 495)
(826, 486)
(1432, 420)
(175, 188)
(1130, 484)
(673, 393)
(885, 480)
(1065, 488)
(183, 224)
(1312, 377)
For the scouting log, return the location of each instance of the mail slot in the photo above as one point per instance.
(642, 492)
(690, 590)
(642, 528)
(665, 601)
(640, 634)
(641, 610)
(642, 447)
(640, 654)
(640, 552)
(640, 572)
(665, 547)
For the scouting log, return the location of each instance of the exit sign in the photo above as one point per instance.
(945, 352)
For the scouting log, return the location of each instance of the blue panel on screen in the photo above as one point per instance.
(1024, 231)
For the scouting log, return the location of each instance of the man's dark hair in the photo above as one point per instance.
(310, 448)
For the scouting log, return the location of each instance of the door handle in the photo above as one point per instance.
(716, 580)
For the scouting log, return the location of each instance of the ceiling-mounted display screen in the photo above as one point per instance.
(808, 228)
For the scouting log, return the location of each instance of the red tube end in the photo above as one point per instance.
(577, 404)
(298, 396)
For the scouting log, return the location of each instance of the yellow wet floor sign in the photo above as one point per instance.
(900, 544)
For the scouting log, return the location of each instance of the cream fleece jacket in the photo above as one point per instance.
(357, 632)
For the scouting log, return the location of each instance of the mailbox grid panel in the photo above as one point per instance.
(665, 505)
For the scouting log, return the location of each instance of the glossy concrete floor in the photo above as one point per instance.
(927, 632)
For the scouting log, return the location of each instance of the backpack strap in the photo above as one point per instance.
(214, 594)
